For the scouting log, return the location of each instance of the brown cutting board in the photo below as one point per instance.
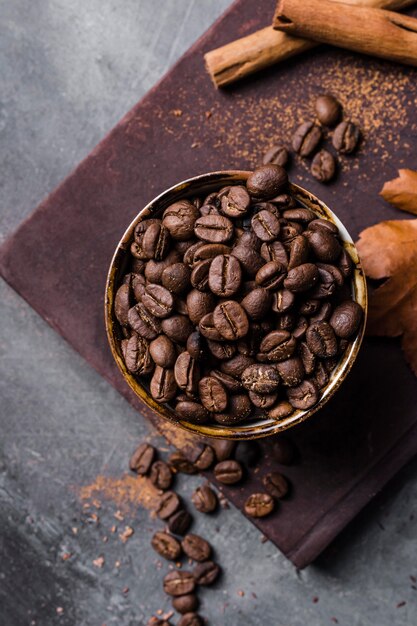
(185, 127)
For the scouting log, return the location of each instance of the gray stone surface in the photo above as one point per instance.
(68, 72)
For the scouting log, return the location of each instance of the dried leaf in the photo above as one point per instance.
(402, 191)
(389, 250)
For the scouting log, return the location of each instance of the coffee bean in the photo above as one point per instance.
(277, 155)
(196, 548)
(328, 110)
(321, 376)
(345, 263)
(163, 386)
(195, 345)
(276, 484)
(199, 304)
(158, 300)
(324, 245)
(223, 448)
(138, 283)
(192, 412)
(289, 230)
(323, 166)
(210, 251)
(187, 373)
(321, 340)
(212, 394)
(166, 546)
(156, 242)
(208, 328)
(346, 319)
(122, 304)
(291, 371)
(239, 408)
(163, 351)
(263, 401)
(346, 137)
(155, 269)
(179, 218)
(204, 499)
(299, 252)
(299, 214)
(230, 320)
(248, 453)
(235, 202)
(179, 583)
(169, 504)
(236, 365)
(306, 138)
(179, 522)
(228, 472)
(283, 301)
(271, 275)
(304, 396)
(302, 278)
(308, 358)
(204, 459)
(225, 275)
(206, 573)
(280, 410)
(227, 380)
(143, 322)
(214, 228)
(221, 350)
(278, 345)
(191, 619)
(137, 356)
(176, 278)
(283, 450)
(265, 225)
(161, 475)
(261, 379)
(259, 505)
(267, 181)
(177, 327)
(185, 604)
(323, 314)
(274, 251)
(179, 463)
(189, 255)
(142, 458)
(257, 303)
(250, 259)
(200, 275)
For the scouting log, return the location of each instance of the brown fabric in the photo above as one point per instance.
(368, 431)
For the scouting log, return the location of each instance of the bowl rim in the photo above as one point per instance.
(250, 430)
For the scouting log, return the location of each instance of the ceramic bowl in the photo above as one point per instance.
(202, 185)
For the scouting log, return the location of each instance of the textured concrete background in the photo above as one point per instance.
(68, 72)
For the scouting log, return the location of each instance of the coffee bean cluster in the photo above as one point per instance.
(237, 305)
(174, 542)
(309, 135)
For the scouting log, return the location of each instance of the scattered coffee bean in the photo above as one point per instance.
(179, 583)
(191, 619)
(328, 110)
(204, 499)
(323, 166)
(204, 459)
(179, 522)
(169, 504)
(142, 458)
(276, 484)
(196, 548)
(161, 475)
(228, 472)
(306, 138)
(179, 463)
(166, 546)
(185, 604)
(206, 573)
(259, 505)
(223, 448)
(277, 155)
(346, 137)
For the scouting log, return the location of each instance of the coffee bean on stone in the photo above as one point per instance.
(179, 522)
(304, 396)
(204, 499)
(291, 371)
(328, 110)
(228, 472)
(276, 484)
(259, 505)
(204, 459)
(278, 345)
(166, 546)
(169, 504)
(280, 410)
(277, 155)
(163, 386)
(224, 449)
(192, 412)
(179, 219)
(235, 202)
(321, 340)
(196, 548)
(163, 351)
(185, 604)
(306, 138)
(191, 619)
(257, 303)
(214, 228)
(179, 583)
(176, 278)
(346, 319)
(161, 475)
(212, 394)
(230, 320)
(271, 275)
(261, 379)
(302, 278)
(177, 327)
(206, 573)
(142, 458)
(225, 275)
(156, 242)
(267, 181)
(346, 137)
(158, 300)
(122, 304)
(179, 463)
(323, 166)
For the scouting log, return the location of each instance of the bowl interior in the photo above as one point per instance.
(202, 185)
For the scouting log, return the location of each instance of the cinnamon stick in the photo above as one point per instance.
(267, 46)
(377, 32)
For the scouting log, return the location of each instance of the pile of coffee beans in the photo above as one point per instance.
(309, 136)
(237, 305)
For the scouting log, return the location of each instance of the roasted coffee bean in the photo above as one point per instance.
(300, 329)
(176, 278)
(138, 283)
(136, 250)
(283, 301)
(346, 137)
(299, 252)
(180, 306)
(323, 314)
(236, 365)
(214, 228)
(308, 358)
(328, 110)
(235, 202)
(210, 251)
(142, 226)
(291, 371)
(144, 323)
(309, 307)
(161, 475)
(265, 225)
(122, 304)
(227, 380)
(169, 504)
(179, 463)
(321, 376)
(179, 583)
(257, 303)
(191, 619)
(323, 224)
(324, 245)
(185, 604)
(206, 573)
(230, 320)
(225, 275)
(163, 351)
(346, 319)
(306, 138)
(137, 356)
(204, 459)
(192, 412)
(155, 269)
(299, 214)
(274, 251)
(166, 546)
(263, 401)
(321, 340)
(280, 410)
(200, 275)
(156, 242)
(224, 449)
(250, 259)
(283, 450)
(248, 453)
(259, 505)
(142, 458)
(302, 278)
(155, 621)
(196, 548)
(158, 300)
(276, 484)
(208, 328)
(261, 379)
(271, 275)
(238, 409)
(182, 246)
(345, 263)
(277, 155)
(228, 472)
(199, 304)
(189, 255)
(179, 522)
(304, 396)
(289, 230)
(177, 327)
(163, 386)
(278, 345)
(187, 373)
(212, 394)
(267, 181)
(204, 499)
(221, 350)
(327, 284)
(323, 166)
(179, 218)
